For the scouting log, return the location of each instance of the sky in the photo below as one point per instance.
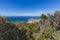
(28, 7)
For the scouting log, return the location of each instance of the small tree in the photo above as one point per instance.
(43, 16)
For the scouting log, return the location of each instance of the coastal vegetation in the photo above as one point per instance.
(48, 28)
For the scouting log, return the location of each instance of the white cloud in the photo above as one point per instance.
(28, 13)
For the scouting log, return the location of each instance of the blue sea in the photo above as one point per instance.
(21, 18)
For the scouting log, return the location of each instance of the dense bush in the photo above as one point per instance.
(46, 29)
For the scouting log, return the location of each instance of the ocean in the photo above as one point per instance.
(21, 18)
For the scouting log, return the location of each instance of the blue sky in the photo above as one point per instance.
(28, 7)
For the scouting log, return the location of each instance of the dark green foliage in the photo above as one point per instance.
(43, 16)
(9, 31)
